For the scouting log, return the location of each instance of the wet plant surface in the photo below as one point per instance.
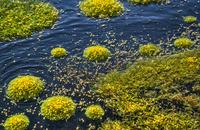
(176, 97)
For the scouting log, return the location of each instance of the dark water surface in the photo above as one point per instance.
(75, 32)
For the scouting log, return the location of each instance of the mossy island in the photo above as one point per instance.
(16, 122)
(94, 112)
(189, 19)
(19, 18)
(59, 52)
(183, 42)
(101, 8)
(145, 2)
(24, 88)
(96, 53)
(58, 108)
(149, 49)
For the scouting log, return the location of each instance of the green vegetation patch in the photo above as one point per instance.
(94, 112)
(113, 125)
(58, 108)
(59, 52)
(189, 19)
(101, 8)
(145, 2)
(149, 50)
(183, 42)
(16, 122)
(156, 93)
(24, 87)
(20, 18)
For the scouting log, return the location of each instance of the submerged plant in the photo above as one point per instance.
(24, 88)
(183, 42)
(96, 53)
(149, 49)
(101, 8)
(146, 1)
(58, 108)
(189, 19)
(58, 52)
(20, 18)
(17, 122)
(94, 112)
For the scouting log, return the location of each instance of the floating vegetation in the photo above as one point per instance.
(101, 9)
(145, 2)
(96, 53)
(198, 25)
(149, 50)
(16, 122)
(144, 94)
(113, 125)
(189, 19)
(58, 108)
(183, 42)
(59, 52)
(94, 112)
(24, 88)
(21, 18)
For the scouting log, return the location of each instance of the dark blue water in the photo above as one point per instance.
(73, 76)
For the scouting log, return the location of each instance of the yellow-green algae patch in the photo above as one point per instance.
(101, 8)
(113, 125)
(59, 52)
(183, 42)
(24, 87)
(20, 18)
(94, 112)
(96, 53)
(145, 2)
(189, 19)
(149, 49)
(156, 93)
(58, 108)
(16, 122)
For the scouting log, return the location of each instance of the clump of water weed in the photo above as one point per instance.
(149, 50)
(94, 112)
(59, 52)
(183, 42)
(189, 19)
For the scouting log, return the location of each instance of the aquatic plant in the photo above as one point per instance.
(24, 87)
(96, 53)
(58, 108)
(189, 19)
(20, 18)
(101, 9)
(58, 52)
(16, 122)
(146, 1)
(183, 42)
(198, 25)
(148, 92)
(149, 49)
(94, 112)
(113, 125)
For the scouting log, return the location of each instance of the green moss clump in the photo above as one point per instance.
(149, 50)
(58, 108)
(24, 87)
(189, 19)
(101, 8)
(16, 122)
(145, 2)
(96, 53)
(20, 18)
(59, 52)
(113, 125)
(183, 42)
(94, 112)
(198, 25)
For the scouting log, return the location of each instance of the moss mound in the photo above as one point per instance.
(16, 122)
(183, 42)
(96, 53)
(156, 93)
(24, 87)
(20, 18)
(101, 8)
(145, 2)
(94, 112)
(189, 19)
(149, 50)
(58, 108)
(59, 52)
(113, 125)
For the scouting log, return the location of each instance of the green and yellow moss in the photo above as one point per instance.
(24, 88)
(189, 19)
(59, 52)
(16, 122)
(113, 125)
(149, 50)
(21, 18)
(96, 53)
(183, 42)
(145, 2)
(58, 108)
(101, 8)
(94, 112)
